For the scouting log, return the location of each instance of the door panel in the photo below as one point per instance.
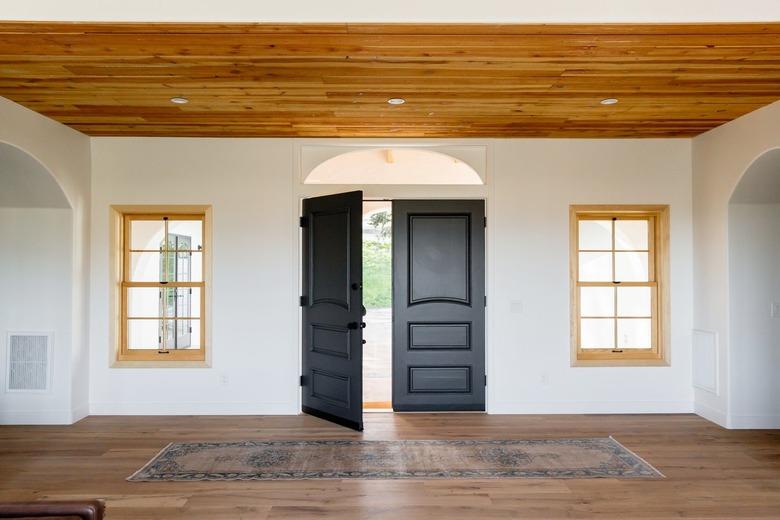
(438, 305)
(438, 258)
(332, 333)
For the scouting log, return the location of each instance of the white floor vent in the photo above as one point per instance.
(29, 356)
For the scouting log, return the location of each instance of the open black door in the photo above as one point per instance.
(438, 305)
(332, 304)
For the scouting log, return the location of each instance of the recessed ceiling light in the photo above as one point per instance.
(180, 100)
(396, 101)
(609, 101)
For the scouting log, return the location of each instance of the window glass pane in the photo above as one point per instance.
(172, 266)
(595, 234)
(631, 234)
(597, 333)
(167, 302)
(153, 302)
(634, 301)
(183, 334)
(177, 334)
(187, 302)
(145, 267)
(634, 333)
(144, 302)
(189, 267)
(631, 267)
(143, 334)
(147, 234)
(185, 234)
(168, 334)
(191, 328)
(595, 267)
(597, 301)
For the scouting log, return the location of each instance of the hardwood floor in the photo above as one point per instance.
(711, 472)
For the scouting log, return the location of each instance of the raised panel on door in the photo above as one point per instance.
(332, 385)
(438, 305)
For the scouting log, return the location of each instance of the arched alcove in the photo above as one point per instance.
(394, 166)
(754, 294)
(26, 182)
(36, 277)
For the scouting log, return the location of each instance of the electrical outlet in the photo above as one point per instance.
(775, 310)
(545, 379)
(224, 380)
(516, 307)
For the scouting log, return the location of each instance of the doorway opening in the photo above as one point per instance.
(392, 307)
(378, 303)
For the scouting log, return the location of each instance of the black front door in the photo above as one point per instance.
(438, 305)
(332, 303)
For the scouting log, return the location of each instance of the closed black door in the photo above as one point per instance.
(332, 303)
(438, 305)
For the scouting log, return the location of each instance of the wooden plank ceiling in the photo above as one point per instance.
(334, 80)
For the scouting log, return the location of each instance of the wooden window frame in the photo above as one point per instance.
(125, 357)
(658, 269)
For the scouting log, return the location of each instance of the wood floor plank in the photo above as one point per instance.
(711, 472)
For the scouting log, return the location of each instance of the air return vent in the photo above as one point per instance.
(29, 355)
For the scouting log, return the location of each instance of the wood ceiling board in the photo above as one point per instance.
(333, 80)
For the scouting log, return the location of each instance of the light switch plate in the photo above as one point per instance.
(775, 310)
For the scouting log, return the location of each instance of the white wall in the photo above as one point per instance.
(720, 158)
(254, 187)
(535, 181)
(754, 265)
(248, 182)
(64, 153)
(35, 276)
(297, 11)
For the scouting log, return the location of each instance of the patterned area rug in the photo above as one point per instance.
(347, 459)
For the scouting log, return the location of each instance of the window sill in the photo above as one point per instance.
(620, 363)
(160, 364)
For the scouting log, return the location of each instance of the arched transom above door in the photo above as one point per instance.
(393, 165)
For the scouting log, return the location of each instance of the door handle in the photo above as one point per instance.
(353, 325)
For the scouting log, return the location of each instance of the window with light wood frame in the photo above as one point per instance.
(619, 285)
(163, 287)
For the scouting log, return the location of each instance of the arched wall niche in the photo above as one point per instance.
(26, 182)
(760, 183)
(754, 294)
(36, 276)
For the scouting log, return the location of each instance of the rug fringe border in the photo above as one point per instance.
(637, 456)
(131, 477)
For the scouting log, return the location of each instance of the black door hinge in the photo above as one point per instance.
(303, 222)
(485, 379)
(303, 381)
(485, 221)
(304, 301)
(486, 300)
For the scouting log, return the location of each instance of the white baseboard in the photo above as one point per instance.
(711, 414)
(591, 407)
(36, 417)
(79, 412)
(193, 408)
(754, 422)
